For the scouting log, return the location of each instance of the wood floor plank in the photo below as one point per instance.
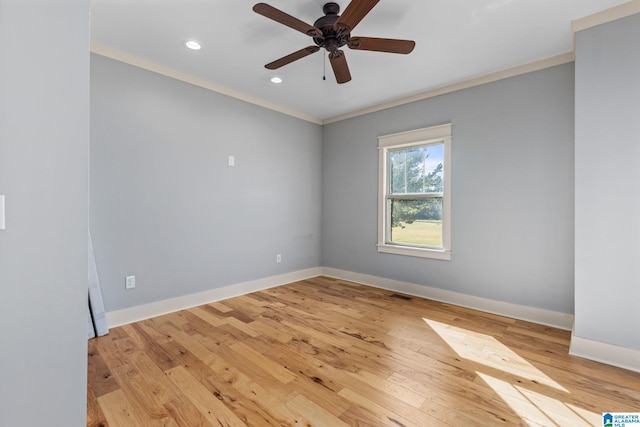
(241, 326)
(315, 379)
(207, 316)
(320, 416)
(269, 400)
(185, 414)
(140, 395)
(329, 352)
(208, 404)
(276, 370)
(155, 379)
(273, 330)
(394, 389)
(221, 307)
(95, 416)
(118, 410)
(358, 416)
(98, 373)
(396, 416)
(466, 415)
(250, 411)
(162, 331)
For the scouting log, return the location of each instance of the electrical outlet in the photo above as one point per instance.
(130, 282)
(278, 258)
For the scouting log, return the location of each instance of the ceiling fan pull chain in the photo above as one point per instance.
(324, 67)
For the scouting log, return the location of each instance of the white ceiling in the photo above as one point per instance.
(456, 40)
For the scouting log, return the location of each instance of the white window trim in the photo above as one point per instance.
(441, 133)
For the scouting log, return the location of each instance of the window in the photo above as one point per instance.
(414, 199)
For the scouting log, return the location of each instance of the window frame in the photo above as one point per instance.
(418, 137)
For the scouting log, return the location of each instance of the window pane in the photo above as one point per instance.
(417, 222)
(416, 169)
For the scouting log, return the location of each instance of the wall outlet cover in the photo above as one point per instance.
(130, 282)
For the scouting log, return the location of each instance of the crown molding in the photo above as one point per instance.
(465, 84)
(617, 12)
(118, 55)
(602, 17)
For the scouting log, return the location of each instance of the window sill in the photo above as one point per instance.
(417, 252)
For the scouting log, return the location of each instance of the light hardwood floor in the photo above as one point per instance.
(326, 352)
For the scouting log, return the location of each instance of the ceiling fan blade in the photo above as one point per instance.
(340, 67)
(292, 57)
(353, 14)
(286, 19)
(381, 45)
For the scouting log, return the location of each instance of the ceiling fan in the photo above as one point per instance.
(331, 32)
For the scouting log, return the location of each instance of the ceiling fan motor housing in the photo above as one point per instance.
(331, 39)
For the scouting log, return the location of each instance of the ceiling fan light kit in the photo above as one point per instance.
(332, 32)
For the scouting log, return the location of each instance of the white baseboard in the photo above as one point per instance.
(594, 350)
(531, 314)
(610, 354)
(158, 308)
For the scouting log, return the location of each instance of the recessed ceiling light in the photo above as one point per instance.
(193, 45)
(276, 80)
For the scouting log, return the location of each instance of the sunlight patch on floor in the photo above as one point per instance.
(537, 409)
(488, 351)
(514, 372)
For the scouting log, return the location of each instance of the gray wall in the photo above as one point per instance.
(165, 206)
(44, 142)
(608, 183)
(512, 191)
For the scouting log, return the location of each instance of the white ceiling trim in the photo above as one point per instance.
(118, 55)
(511, 72)
(602, 17)
(607, 15)
(621, 11)
(187, 78)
